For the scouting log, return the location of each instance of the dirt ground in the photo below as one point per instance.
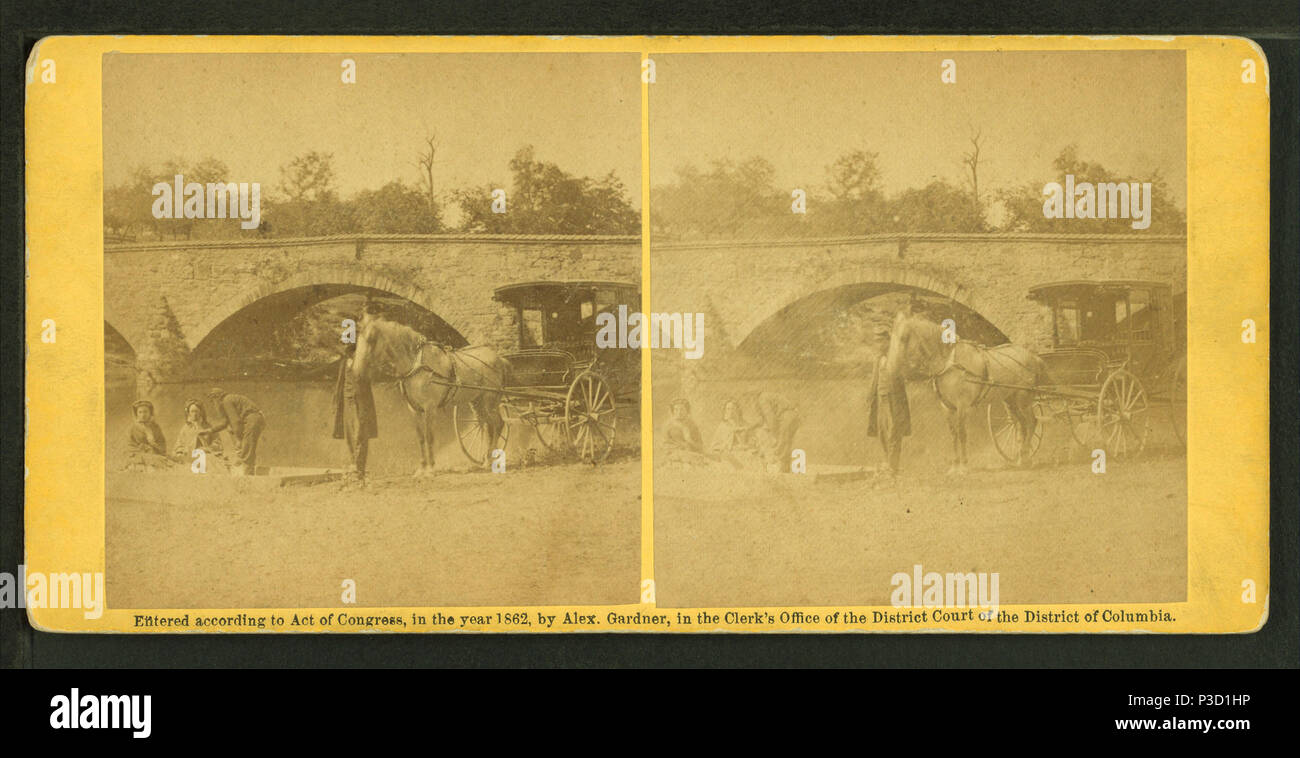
(1056, 533)
(560, 534)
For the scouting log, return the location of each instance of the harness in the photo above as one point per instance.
(419, 365)
(451, 381)
(981, 379)
(978, 379)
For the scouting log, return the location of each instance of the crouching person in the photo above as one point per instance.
(245, 422)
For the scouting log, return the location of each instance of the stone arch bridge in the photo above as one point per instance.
(165, 299)
(742, 285)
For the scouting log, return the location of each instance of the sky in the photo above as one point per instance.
(800, 111)
(256, 112)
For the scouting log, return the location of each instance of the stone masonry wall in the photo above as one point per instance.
(202, 284)
(740, 284)
(745, 283)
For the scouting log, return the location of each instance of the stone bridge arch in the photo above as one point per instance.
(121, 327)
(872, 280)
(328, 282)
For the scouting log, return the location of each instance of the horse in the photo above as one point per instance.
(432, 376)
(965, 373)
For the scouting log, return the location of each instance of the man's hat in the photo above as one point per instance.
(145, 403)
(216, 393)
(681, 401)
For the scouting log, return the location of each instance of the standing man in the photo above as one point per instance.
(245, 422)
(354, 413)
(890, 417)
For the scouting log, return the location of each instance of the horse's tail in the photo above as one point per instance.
(1040, 370)
(503, 367)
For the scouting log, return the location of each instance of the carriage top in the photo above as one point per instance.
(561, 315)
(1129, 321)
(557, 332)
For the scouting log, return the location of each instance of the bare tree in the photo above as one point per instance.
(971, 160)
(425, 162)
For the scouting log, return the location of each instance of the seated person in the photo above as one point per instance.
(146, 447)
(734, 439)
(196, 434)
(681, 437)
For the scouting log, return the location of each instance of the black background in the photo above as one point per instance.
(1274, 25)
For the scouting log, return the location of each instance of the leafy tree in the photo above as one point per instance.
(1024, 204)
(308, 205)
(936, 207)
(544, 199)
(395, 208)
(128, 207)
(308, 177)
(856, 204)
(730, 201)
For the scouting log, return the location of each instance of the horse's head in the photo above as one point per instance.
(384, 345)
(372, 346)
(916, 348)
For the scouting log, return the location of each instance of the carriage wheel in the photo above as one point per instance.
(546, 429)
(1178, 402)
(1122, 419)
(472, 433)
(1006, 435)
(1081, 417)
(589, 417)
(549, 433)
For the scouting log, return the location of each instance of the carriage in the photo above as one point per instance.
(564, 386)
(1118, 352)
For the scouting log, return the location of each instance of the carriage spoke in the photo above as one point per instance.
(583, 435)
(601, 397)
(596, 426)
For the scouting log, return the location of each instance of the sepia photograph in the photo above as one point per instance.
(941, 301)
(351, 305)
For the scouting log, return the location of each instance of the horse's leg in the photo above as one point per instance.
(418, 418)
(1023, 406)
(492, 414)
(954, 420)
(952, 394)
(430, 446)
(962, 411)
